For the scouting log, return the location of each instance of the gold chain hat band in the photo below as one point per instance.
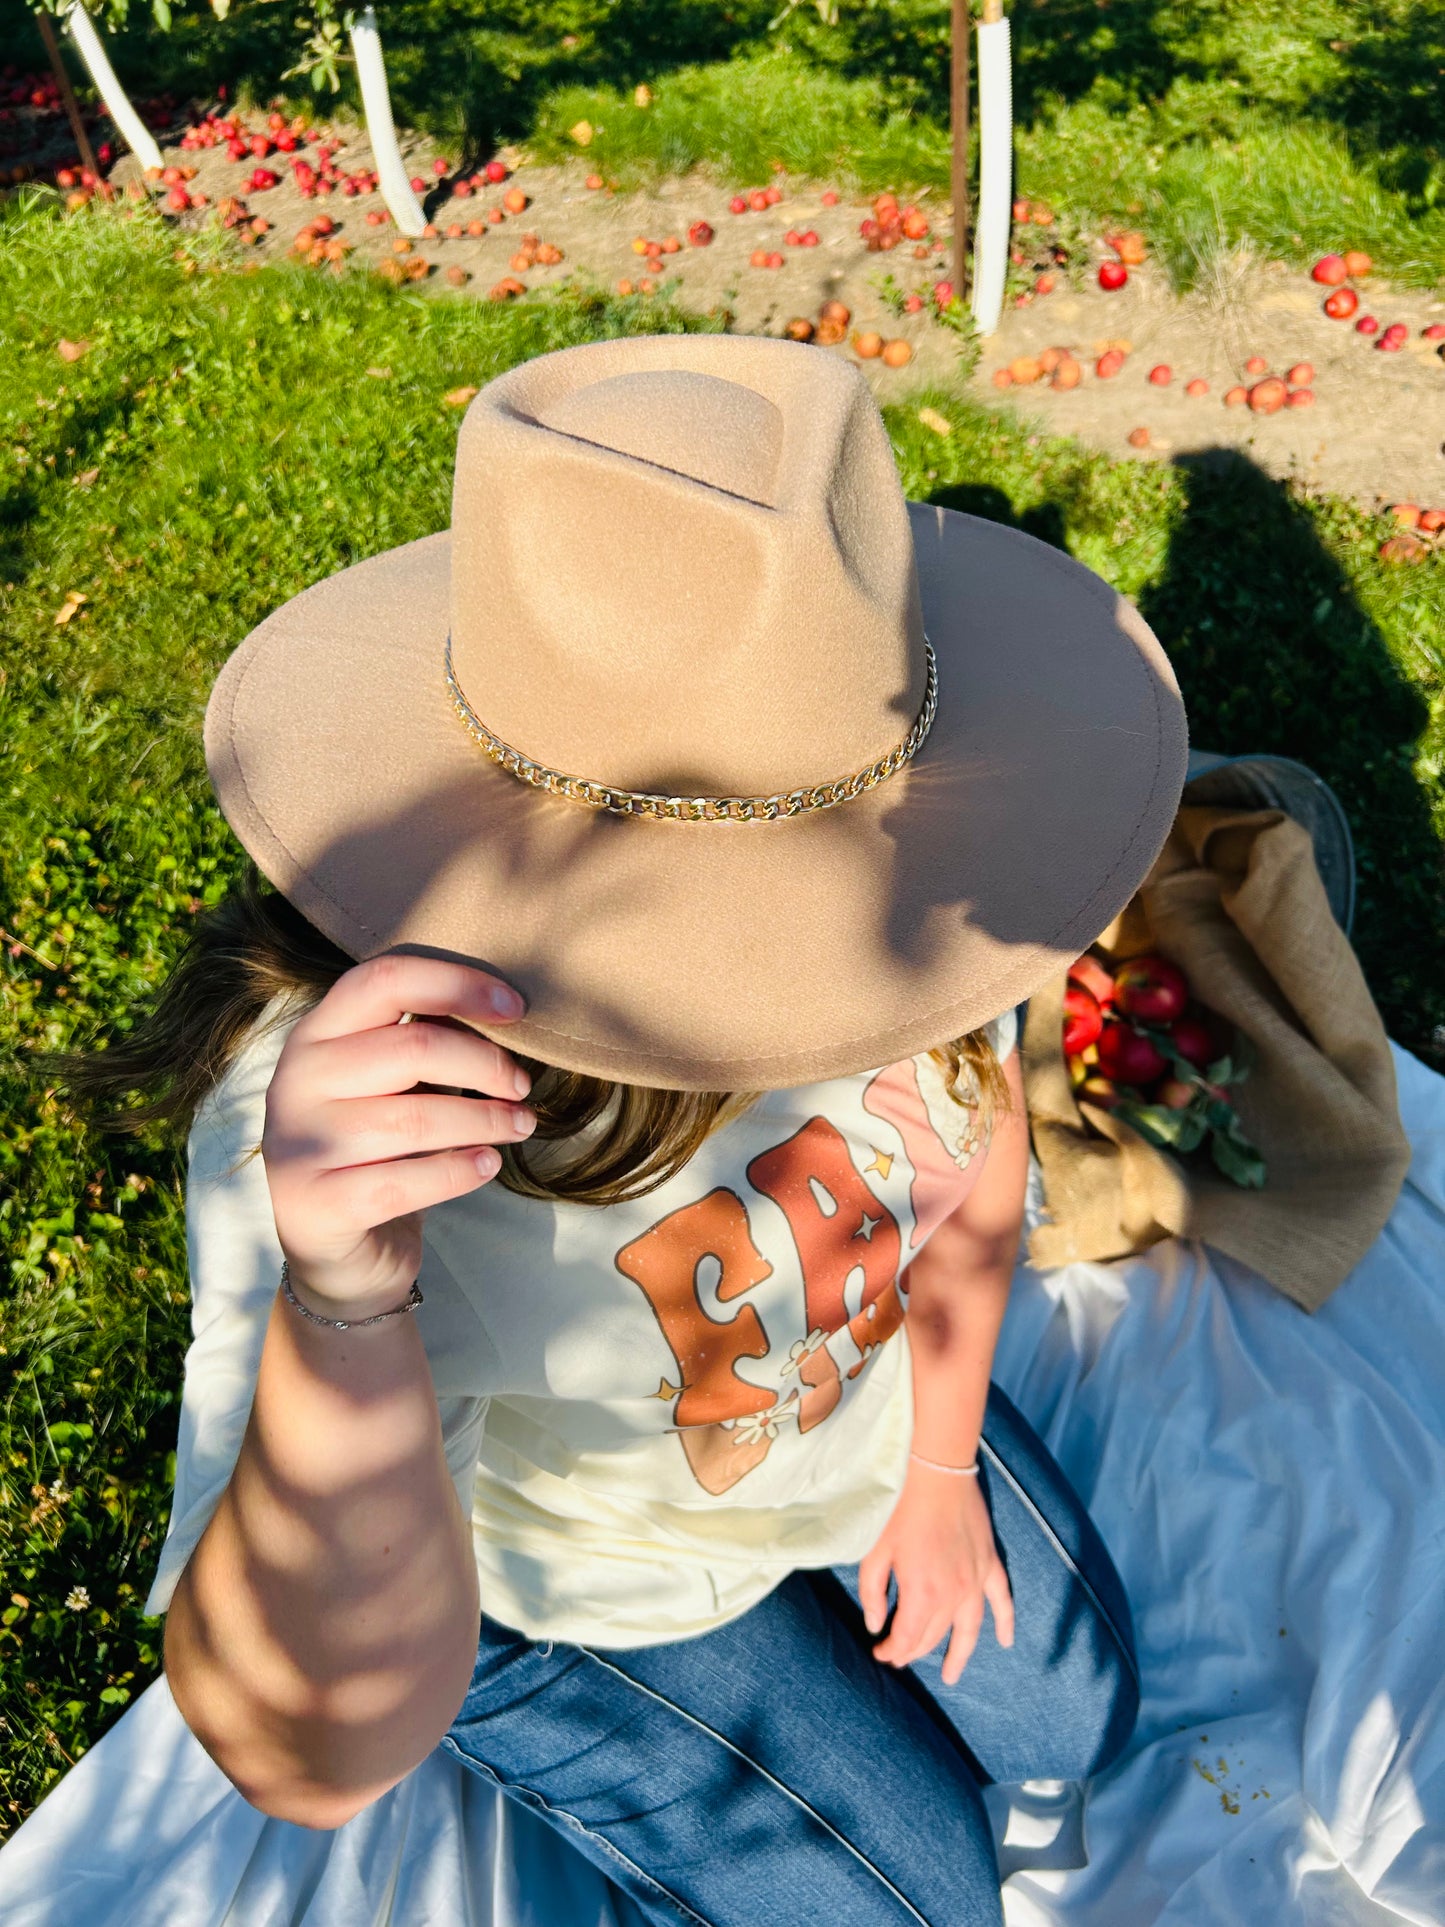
(696, 809)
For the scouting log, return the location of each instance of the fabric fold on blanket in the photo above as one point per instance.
(1271, 1485)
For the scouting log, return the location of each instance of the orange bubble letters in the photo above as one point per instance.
(664, 1262)
(837, 1223)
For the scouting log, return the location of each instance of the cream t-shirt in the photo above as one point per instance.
(652, 1411)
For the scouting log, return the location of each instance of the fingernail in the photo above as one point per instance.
(524, 1120)
(521, 1083)
(488, 1163)
(505, 1001)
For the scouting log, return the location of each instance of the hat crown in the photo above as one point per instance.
(684, 564)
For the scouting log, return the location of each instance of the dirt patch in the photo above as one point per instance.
(1376, 430)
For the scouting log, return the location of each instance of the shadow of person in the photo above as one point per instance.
(1275, 653)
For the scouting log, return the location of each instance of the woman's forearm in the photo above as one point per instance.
(324, 1631)
(958, 1290)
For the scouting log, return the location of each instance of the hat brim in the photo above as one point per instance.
(715, 955)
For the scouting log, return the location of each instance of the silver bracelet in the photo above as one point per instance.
(344, 1324)
(958, 1471)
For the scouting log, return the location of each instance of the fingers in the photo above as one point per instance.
(873, 1588)
(378, 991)
(374, 1194)
(916, 1630)
(966, 1627)
(366, 1130)
(375, 1063)
(996, 1592)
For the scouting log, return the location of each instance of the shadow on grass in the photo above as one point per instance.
(1275, 654)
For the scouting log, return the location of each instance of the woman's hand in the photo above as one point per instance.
(939, 1546)
(363, 1130)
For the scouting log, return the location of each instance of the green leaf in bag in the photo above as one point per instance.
(1166, 1129)
(1237, 1158)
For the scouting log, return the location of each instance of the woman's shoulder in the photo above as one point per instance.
(228, 1119)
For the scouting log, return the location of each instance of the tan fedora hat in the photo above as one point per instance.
(745, 770)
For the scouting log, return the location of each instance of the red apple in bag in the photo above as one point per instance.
(1126, 1056)
(1190, 1037)
(1151, 989)
(1083, 1020)
(1091, 974)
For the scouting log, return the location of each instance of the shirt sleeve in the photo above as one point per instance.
(235, 1269)
(1003, 1034)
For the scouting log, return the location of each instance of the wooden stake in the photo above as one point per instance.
(67, 94)
(958, 116)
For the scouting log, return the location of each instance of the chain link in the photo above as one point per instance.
(696, 809)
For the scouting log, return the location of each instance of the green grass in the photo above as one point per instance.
(1299, 127)
(241, 450)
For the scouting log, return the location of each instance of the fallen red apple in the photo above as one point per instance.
(699, 234)
(1190, 1037)
(1267, 397)
(496, 170)
(1435, 332)
(418, 185)
(1367, 325)
(1256, 365)
(1083, 1020)
(1162, 375)
(1301, 375)
(1300, 398)
(1109, 363)
(1196, 388)
(1403, 548)
(1127, 1056)
(1341, 304)
(1431, 520)
(1357, 262)
(1112, 274)
(1330, 270)
(829, 197)
(1152, 989)
(1091, 974)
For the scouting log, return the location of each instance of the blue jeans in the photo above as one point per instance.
(772, 1771)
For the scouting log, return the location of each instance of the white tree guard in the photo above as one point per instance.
(129, 125)
(396, 190)
(995, 174)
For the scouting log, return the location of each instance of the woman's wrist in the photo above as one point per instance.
(327, 1309)
(962, 1469)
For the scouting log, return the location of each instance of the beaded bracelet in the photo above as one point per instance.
(958, 1471)
(344, 1324)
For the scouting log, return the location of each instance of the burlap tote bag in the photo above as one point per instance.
(1236, 900)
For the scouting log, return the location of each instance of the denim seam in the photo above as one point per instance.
(1068, 1559)
(771, 1778)
(603, 1842)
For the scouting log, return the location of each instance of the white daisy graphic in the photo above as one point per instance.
(802, 1351)
(758, 1426)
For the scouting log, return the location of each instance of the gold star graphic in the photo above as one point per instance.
(666, 1390)
(882, 1161)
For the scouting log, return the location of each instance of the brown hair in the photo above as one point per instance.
(254, 945)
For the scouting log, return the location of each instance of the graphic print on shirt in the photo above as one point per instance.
(848, 1244)
(940, 1136)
